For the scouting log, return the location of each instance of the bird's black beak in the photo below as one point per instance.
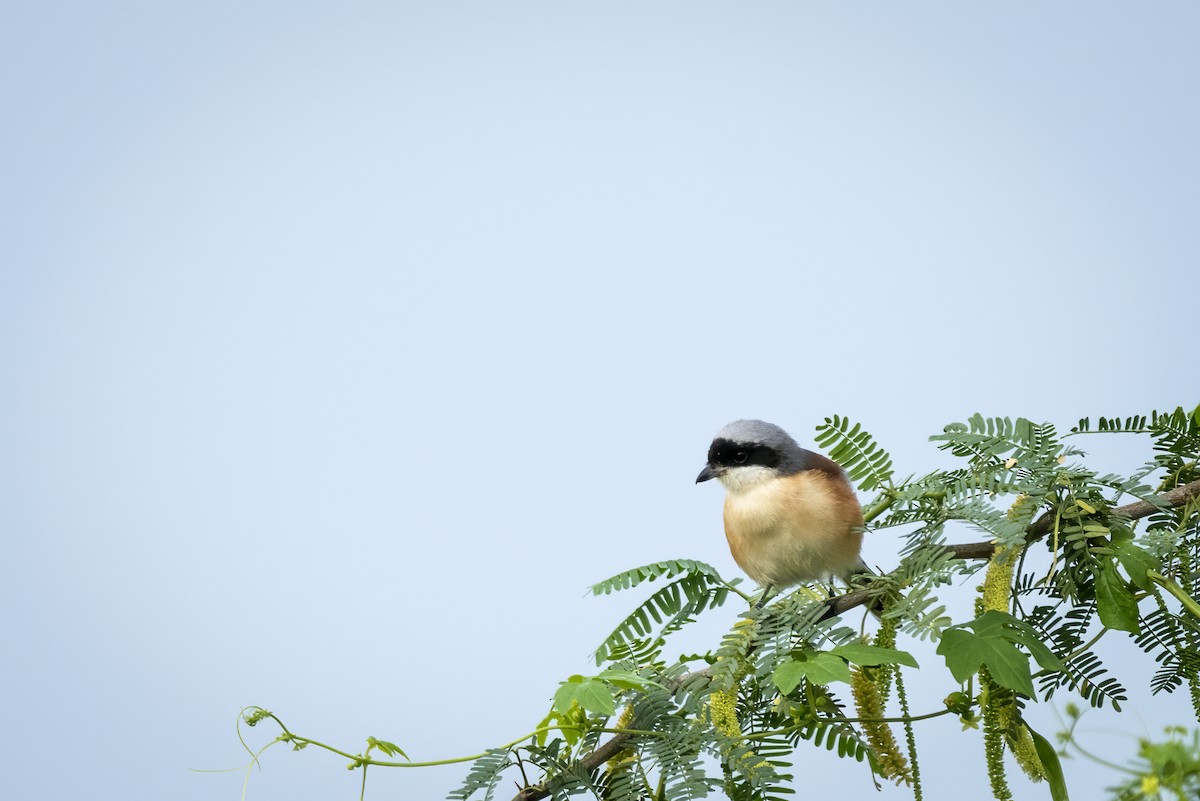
(706, 474)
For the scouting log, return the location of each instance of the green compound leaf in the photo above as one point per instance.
(668, 609)
(855, 450)
(1114, 600)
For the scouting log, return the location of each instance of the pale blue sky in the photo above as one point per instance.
(345, 344)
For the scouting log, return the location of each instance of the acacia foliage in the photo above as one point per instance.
(1068, 556)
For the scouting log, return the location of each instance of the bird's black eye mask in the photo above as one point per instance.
(726, 453)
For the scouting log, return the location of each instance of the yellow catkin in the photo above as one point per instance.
(1001, 721)
(997, 582)
(1019, 506)
(722, 703)
(722, 711)
(625, 755)
(998, 704)
(886, 638)
(1024, 750)
(992, 701)
(1002, 702)
(868, 701)
(722, 708)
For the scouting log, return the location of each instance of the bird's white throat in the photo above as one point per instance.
(746, 477)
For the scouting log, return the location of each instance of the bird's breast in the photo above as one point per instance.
(794, 528)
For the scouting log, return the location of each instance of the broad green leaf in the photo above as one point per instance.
(1137, 563)
(1054, 773)
(391, 749)
(824, 668)
(571, 724)
(1002, 624)
(817, 667)
(992, 624)
(1044, 656)
(544, 726)
(595, 696)
(787, 676)
(965, 651)
(592, 695)
(565, 693)
(1114, 601)
(626, 680)
(870, 655)
(962, 652)
(1009, 667)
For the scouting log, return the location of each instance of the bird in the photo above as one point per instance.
(791, 515)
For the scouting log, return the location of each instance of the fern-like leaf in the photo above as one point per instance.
(671, 606)
(984, 440)
(1113, 425)
(835, 735)
(668, 568)
(856, 451)
(484, 774)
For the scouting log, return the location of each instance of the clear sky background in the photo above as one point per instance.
(344, 345)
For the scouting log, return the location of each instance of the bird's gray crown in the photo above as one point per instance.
(789, 457)
(757, 432)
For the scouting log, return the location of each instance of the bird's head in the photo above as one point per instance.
(749, 452)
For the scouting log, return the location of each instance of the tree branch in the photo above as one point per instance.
(844, 603)
(1037, 530)
(1175, 498)
(606, 751)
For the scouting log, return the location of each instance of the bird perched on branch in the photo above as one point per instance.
(791, 515)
